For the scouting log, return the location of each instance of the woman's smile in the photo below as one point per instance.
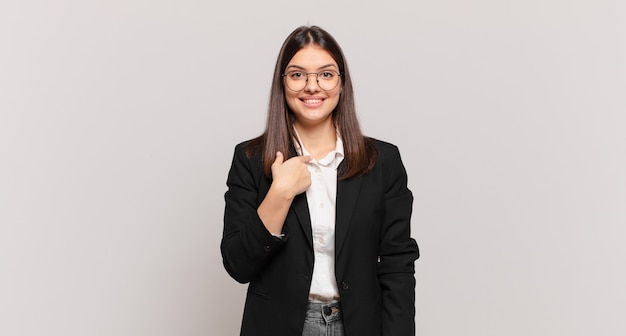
(312, 102)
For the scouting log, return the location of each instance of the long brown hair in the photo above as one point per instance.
(359, 151)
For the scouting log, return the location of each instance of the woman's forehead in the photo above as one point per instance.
(312, 57)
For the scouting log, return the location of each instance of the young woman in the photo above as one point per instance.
(317, 216)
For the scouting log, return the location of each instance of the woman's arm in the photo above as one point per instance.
(251, 230)
(246, 244)
(398, 251)
(291, 178)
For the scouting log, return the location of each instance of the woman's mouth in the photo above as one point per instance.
(312, 102)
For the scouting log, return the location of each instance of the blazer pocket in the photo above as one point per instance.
(258, 295)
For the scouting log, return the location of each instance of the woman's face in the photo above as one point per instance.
(312, 105)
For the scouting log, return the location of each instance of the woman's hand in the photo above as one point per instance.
(291, 177)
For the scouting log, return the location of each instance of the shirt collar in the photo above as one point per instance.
(332, 159)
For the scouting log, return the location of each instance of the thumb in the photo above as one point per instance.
(279, 158)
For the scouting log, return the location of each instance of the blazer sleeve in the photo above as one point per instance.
(398, 251)
(246, 245)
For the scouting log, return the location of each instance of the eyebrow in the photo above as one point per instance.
(320, 68)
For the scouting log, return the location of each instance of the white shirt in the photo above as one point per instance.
(321, 197)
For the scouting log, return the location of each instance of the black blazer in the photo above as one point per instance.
(374, 253)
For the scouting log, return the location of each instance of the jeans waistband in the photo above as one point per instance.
(325, 309)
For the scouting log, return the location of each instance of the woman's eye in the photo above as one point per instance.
(296, 75)
(327, 74)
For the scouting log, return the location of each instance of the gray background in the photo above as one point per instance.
(118, 120)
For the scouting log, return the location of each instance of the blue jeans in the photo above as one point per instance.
(323, 319)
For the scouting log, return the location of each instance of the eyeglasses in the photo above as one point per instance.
(296, 80)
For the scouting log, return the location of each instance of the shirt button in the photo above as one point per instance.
(321, 240)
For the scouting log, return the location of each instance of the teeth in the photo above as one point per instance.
(312, 101)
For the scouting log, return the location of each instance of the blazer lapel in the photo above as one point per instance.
(301, 209)
(347, 194)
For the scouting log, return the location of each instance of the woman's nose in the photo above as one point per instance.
(311, 83)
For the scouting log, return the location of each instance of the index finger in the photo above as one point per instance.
(305, 158)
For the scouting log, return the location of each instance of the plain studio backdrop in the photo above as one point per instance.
(118, 121)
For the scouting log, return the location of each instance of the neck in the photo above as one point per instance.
(319, 141)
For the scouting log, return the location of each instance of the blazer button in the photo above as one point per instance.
(267, 248)
(344, 285)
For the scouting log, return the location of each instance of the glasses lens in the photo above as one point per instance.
(327, 79)
(295, 80)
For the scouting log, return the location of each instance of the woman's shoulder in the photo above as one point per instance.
(250, 147)
(241, 146)
(246, 156)
(388, 160)
(384, 148)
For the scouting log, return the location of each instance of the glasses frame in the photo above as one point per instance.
(317, 80)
